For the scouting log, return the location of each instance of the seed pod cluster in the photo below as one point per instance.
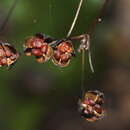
(63, 53)
(8, 54)
(45, 48)
(90, 106)
(39, 47)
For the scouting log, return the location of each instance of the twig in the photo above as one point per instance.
(75, 18)
(91, 31)
(83, 73)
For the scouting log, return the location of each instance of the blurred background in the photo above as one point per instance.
(43, 96)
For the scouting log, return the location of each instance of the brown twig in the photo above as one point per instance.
(92, 29)
(75, 18)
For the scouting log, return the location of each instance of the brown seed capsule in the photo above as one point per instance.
(38, 46)
(63, 53)
(8, 54)
(61, 59)
(37, 52)
(2, 52)
(33, 42)
(91, 106)
(65, 46)
(3, 61)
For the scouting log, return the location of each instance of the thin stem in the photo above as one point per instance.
(75, 18)
(83, 73)
(90, 61)
(86, 46)
(5, 21)
(92, 29)
(79, 37)
(89, 54)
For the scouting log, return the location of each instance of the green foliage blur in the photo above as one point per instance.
(32, 94)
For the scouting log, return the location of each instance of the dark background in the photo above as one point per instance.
(43, 96)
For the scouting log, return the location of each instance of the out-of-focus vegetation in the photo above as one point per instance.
(42, 96)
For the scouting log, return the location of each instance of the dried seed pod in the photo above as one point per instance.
(65, 46)
(38, 46)
(63, 53)
(8, 54)
(90, 106)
